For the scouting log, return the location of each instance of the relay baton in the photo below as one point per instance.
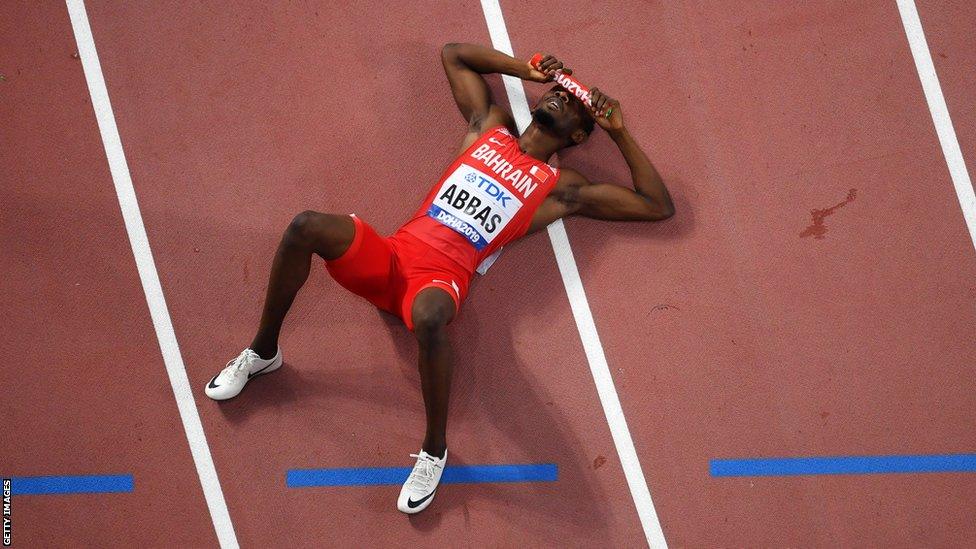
(568, 82)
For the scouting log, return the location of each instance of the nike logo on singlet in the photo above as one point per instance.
(453, 285)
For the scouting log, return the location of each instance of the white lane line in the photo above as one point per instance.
(150, 279)
(940, 113)
(581, 310)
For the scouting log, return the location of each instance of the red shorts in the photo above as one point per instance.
(390, 272)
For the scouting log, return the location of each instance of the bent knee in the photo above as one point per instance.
(328, 235)
(430, 316)
(302, 226)
(428, 322)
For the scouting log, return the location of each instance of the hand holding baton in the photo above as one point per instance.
(568, 82)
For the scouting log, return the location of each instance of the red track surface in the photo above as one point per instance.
(84, 389)
(766, 343)
(742, 327)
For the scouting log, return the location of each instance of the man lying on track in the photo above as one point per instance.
(498, 189)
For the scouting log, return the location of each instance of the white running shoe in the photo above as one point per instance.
(418, 491)
(229, 382)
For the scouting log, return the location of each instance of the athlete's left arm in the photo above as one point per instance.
(649, 200)
(574, 194)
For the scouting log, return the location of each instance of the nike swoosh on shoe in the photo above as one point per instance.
(213, 385)
(412, 504)
(250, 375)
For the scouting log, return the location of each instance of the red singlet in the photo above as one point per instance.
(485, 199)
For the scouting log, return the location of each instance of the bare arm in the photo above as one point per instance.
(649, 199)
(464, 64)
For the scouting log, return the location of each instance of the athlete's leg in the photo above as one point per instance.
(432, 309)
(326, 235)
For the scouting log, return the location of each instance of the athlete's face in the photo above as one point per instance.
(564, 114)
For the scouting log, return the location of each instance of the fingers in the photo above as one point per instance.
(547, 62)
(550, 65)
(602, 104)
(597, 100)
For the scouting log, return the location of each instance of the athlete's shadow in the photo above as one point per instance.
(502, 412)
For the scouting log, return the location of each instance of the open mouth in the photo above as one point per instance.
(555, 104)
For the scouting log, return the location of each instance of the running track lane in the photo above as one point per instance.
(230, 129)
(84, 391)
(738, 336)
(948, 28)
(589, 336)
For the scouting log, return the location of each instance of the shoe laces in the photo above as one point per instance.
(239, 365)
(423, 472)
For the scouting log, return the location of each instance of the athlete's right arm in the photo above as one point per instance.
(464, 64)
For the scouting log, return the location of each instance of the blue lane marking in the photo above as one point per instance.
(843, 465)
(72, 484)
(372, 476)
